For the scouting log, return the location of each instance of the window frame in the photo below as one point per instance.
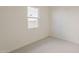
(32, 17)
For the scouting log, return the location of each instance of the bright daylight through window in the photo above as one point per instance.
(32, 17)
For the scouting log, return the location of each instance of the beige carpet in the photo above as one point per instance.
(50, 45)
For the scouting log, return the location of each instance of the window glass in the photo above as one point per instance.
(32, 12)
(32, 17)
(32, 22)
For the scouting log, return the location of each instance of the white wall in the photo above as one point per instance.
(13, 28)
(65, 23)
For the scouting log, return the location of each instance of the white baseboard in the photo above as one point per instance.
(65, 39)
(28, 44)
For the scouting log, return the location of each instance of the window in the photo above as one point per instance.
(32, 17)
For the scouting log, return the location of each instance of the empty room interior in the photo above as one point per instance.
(39, 29)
